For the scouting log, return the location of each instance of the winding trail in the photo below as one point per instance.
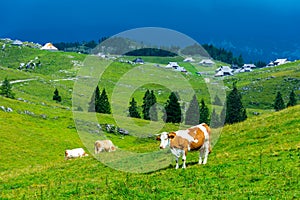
(34, 79)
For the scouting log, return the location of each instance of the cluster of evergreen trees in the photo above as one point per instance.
(223, 55)
(279, 103)
(84, 46)
(233, 112)
(149, 107)
(151, 52)
(173, 113)
(196, 113)
(99, 102)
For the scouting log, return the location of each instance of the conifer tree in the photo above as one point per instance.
(240, 61)
(223, 116)
(6, 89)
(133, 112)
(292, 99)
(56, 96)
(153, 111)
(104, 106)
(149, 106)
(215, 121)
(94, 103)
(204, 113)
(192, 114)
(146, 105)
(279, 103)
(217, 101)
(173, 110)
(235, 111)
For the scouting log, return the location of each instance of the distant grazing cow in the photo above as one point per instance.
(104, 145)
(180, 142)
(75, 153)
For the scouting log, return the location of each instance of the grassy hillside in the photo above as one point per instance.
(259, 87)
(256, 159)
(50, 63)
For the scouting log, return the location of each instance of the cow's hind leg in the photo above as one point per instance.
(201, 155)
(206, 152)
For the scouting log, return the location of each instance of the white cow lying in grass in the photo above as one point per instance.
(180, 142)
(104, 145)
(75, 153)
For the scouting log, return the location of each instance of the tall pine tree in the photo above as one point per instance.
(149, 106)
(153, 110)
(235, 111)
(173, 110)
(292, 99)
(204, 113)
(94, 103)
(146, 105)
(104, 106)
(279, 103)
(6, 89)
(215, 121)
(217, 101)
(56, 96)
(133, 112)
(192, 114)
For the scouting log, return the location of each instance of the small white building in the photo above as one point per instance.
(281, 61)
(278, 62)
(17, 43)
(243, 69)
(172, 65)
(49, 47)
(207, 62)
(224, 71)
(189, 59)
(251, 66)
(175, 66)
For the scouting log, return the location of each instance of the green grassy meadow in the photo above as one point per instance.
(256, 159)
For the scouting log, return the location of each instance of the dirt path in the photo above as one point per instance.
(34, 79)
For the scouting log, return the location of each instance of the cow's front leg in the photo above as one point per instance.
(183, 160)
(184, 153)
(206, 152)
(177, 165)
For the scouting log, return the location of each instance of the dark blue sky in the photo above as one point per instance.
(247, 21)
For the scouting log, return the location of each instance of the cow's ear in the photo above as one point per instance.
(171, 135)
(158, 138)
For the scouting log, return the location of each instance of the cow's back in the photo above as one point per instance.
(198, 135)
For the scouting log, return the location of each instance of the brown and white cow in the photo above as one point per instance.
(182, 141)
(104, 145)
(75, 153)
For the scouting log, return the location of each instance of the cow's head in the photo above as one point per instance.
(165, 139)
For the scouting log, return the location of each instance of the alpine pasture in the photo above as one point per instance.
(256, 159)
